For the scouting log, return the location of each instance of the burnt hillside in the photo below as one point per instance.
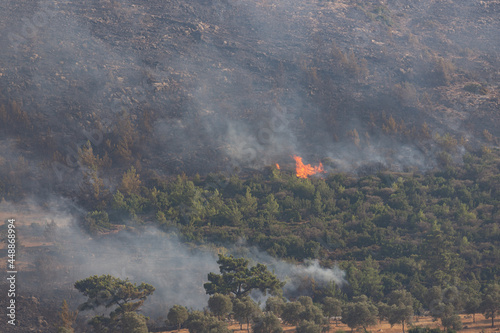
(201, 86)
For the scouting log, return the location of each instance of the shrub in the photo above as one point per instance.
(475, 88)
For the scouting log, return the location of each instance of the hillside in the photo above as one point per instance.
(201, 86)
(141, 138)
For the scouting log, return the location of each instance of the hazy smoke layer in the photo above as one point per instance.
(176, 269)
(244, 83)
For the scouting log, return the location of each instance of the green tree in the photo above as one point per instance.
(442, 263)
(271, 206)
(245, 310)
(275, 305)
(398, 309)
(236, 278)
(177, 315)
(248, 204)
(450, 319)
(292, 311)
(220, 305)
(110, 292)
(490, 304)
(472, 299)
(132, 322)
(302, 309)
(370, 282)
(332, 307)
(444, 304)
(97, 222)
(306, 326)
(359, 313)
(268, 323)
(199, 322)
(312, 312)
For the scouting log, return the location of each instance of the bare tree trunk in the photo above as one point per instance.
(474, 318)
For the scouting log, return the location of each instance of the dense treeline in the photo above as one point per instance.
(424, 233)
(229, 299)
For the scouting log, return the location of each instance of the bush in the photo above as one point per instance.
(476, 88)
(268, 323)
(308, 327)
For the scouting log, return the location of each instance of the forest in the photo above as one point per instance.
(429, 240)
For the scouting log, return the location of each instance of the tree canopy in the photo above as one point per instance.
(220, 305)
(490, 304)
(108, 291)
(268, 323)
(398, 309)
(245, 310)
(177, 315)
(359, 313)
(238, 279)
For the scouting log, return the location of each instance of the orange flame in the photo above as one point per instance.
(277, 166)
(306, 170)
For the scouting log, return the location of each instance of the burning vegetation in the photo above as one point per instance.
(306, 170)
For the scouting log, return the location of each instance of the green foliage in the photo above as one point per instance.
(359, 313)
(133, 322)
(308, 327)
(97, 222)
(275, 305)
(332, 307)
(490, 304)
(271, 206)
(389, 231)
(268, 323)
(177, 315)
(236, 278)
(303, 309)
(220, 305)
(292, 311)
(108, 292)
(398, 309)
(245, 310)
(471, 298)
(450, 319)
(198, 322)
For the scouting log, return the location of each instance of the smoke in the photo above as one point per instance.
(242, 83)
(176, 269)
(321, 275)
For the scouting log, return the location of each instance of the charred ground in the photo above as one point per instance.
(199, 86)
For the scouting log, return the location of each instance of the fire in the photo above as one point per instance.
(306, 170)
(277, 166)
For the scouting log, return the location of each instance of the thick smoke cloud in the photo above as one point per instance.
(177, 270)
